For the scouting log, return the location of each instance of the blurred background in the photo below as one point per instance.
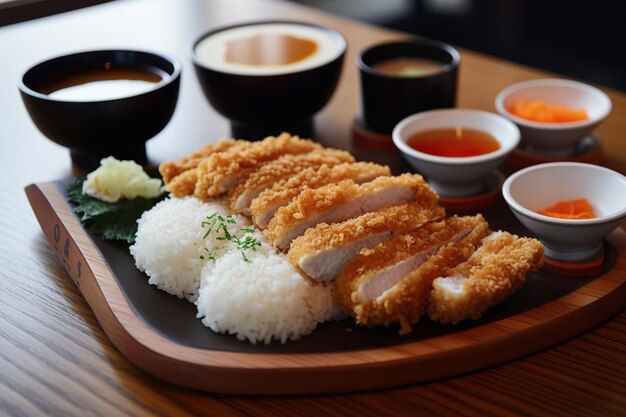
(584, 39)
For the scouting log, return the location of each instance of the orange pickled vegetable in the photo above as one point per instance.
(540, 111)
(573, 209)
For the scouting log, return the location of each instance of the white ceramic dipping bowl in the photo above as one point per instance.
(555, 138)
(456, 176)
(541, 186)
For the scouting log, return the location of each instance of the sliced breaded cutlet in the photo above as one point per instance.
(180, 176)
(222, 171)
(494, 272)
(184, 184)
(270, 200)
(281, 168)
(171, 169)
(322, 252)
(391, 283)
(334, 203)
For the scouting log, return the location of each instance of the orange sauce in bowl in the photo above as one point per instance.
(453, 142)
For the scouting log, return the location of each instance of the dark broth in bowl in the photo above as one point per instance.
(408, 67)
(454, 142)
(106, 83)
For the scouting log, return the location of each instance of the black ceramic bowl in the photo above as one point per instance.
(260, 105)
(386, 99)
(93, 129)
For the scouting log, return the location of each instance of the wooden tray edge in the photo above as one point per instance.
(262, 374)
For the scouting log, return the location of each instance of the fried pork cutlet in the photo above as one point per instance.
(184, 182)
(322, 252)
(284, 167)
(391, 283)
(224, 170)
(494, 272)
(335, 203)
(269, 201)
(172, 169)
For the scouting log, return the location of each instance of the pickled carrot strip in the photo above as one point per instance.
(540, 111)
(573, 209)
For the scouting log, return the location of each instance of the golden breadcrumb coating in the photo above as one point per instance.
(497, 269)
(183, 184)
(265, 205)
(459, 236)
(310, 203)
(413, 181)
(285, 167)
(172, 169)
(202, 170)
(402, 217)
(406, 302)
(394, 220)
(223, 170)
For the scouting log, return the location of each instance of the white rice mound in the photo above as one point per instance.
(262, 299)
(169, 244)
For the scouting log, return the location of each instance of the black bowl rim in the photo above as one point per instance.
(456, 56)
(194, 58)
(162, 84)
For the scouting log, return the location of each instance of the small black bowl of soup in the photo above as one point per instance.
(270, 76)
(102, 103)
(403, 78)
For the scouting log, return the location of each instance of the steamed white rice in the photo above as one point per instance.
(258, 300)
(169, 244)
(262, 299)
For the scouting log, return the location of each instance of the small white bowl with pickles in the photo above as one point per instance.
(541, 186)
(555, 138)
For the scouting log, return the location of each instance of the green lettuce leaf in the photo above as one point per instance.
(110, 221)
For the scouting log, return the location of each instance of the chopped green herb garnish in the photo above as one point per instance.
(249, 229)
(218, 224)
(110, 221)
(211, 255)
(247, 243)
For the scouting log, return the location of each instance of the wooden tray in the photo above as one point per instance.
(160, 334)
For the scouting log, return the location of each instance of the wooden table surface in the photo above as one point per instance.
(55, 359)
